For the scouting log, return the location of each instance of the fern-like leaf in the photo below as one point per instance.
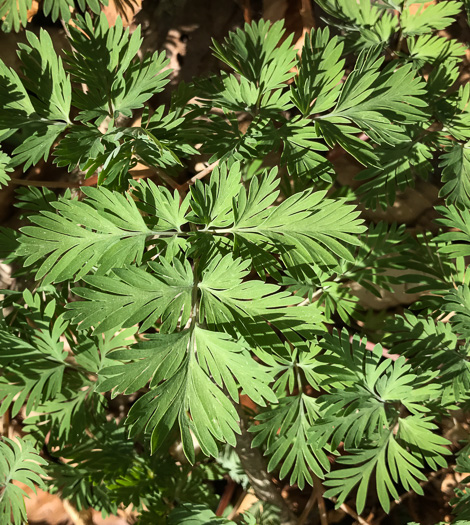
(19, 461)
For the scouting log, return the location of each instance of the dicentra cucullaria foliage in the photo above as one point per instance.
(185, 296)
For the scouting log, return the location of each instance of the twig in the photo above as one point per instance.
(317, 495)
(308, 508)
(199, 175)
(247, 11)
(308, 18)
(234, 511)
(83, 517)
(6, 423)
(254, 465)
(318, 489)
(314, 297)
(348, 510)
(226, 497)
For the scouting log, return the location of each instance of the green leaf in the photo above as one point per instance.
(317, 84)
(391, 463)
(4, 169)
(284, 428)
(62, 8)
(255, 54)
(433, 346)
(195, 401)
(301, 143)
(104, 58)
(433, 17)
(133, 295)
(364, 24)
(304, 225)
(106, 229)
(433, 49)
(14, 14)
(153, 360)
(44, 75)
(42, 115)
(34, 364)
(8, 244)
(225, 297)
(227, 360)
(179, 366)
(212, 203)
(396, 170)
(458, 301)
(195, 514)
(375, 99)
(349, 367)
(81, 144)
(455, 166)
(417, 433)
(459, 240)
(20, 462)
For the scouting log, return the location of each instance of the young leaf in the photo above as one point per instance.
(255, 54)
(104, 58)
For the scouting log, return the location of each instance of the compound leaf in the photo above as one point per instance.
(20, 462)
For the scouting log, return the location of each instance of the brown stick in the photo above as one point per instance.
(247, 11)
(83, 517)
(317, 495)
(6, 424)
(255, 468)
(199, 175)
(308, 508)
(308, 18)
(348, 510)
(226, 497)
(319, 490)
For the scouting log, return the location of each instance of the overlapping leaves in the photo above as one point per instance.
(362, 409)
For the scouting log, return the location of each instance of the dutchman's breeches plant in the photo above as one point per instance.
(180, 294)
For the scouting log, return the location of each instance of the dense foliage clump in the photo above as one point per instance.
(185, 294)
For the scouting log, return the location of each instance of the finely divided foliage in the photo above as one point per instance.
(188, 296)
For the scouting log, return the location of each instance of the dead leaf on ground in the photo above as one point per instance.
(126, 9)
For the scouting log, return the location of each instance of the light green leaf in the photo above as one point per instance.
(20, 462)
(284, 428)
(132, 295)
(458, 240)
(4, 169)
(455, 166)
(14, 14)
(317, 84)
(106, 229)
(433, 17)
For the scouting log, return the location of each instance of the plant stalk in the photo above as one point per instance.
(255, 467)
